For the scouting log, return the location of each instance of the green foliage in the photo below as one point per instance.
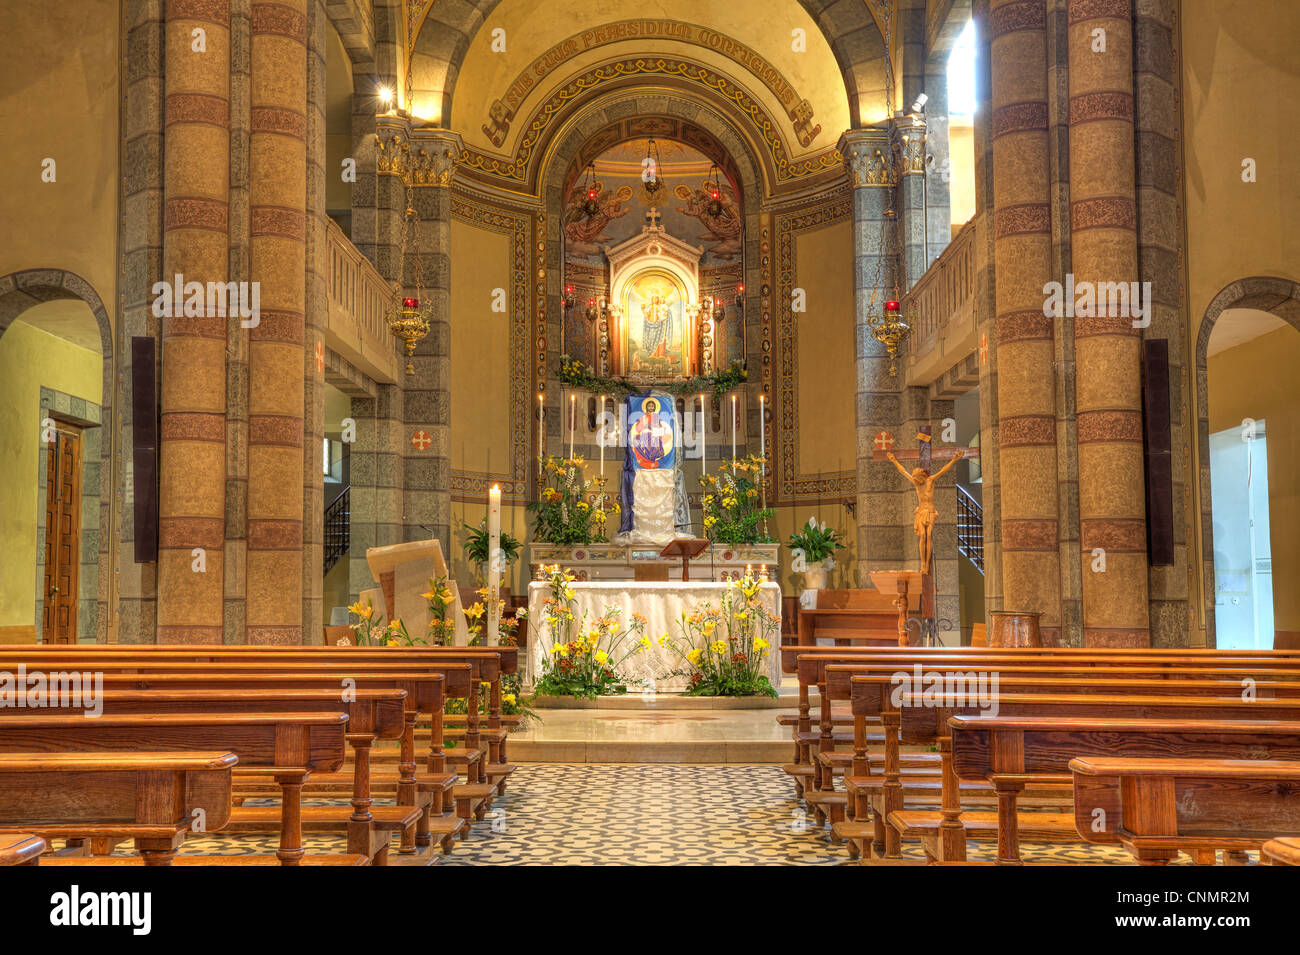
(584, 660)
(816, 541)
(724, 647)
(573, 372)
(477, 550)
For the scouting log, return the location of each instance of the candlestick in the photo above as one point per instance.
(494, 566)
(733, 429)
(573, 421)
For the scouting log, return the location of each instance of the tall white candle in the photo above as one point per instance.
(541, 433)
(762, 433)
(573, 421)
(494, 566)
(601, 432)
(733, 427)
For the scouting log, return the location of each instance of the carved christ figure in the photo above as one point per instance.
(923, 521)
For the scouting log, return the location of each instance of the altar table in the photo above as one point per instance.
(662, 604)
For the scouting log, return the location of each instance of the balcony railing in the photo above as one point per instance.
(359, 300)
(941, 308)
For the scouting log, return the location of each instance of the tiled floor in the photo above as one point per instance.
(637, 814)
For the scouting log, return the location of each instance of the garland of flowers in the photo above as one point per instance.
(575, 373)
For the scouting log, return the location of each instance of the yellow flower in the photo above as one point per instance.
(602, 657)
(645, 643)
(508, 698)
(761, 644)
(694, 656)
(718, 646)
(474, 610)
(361, 610)
(584, 506)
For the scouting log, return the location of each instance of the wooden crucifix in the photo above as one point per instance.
(923, 481)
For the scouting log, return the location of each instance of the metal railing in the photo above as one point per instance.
(970, 528)
(338, 528)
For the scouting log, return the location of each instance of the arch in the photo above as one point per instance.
(848, 26)
(355, 29)
(639, 105)
(1280, 297)
(20, 291)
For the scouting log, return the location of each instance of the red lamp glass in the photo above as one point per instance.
(410, 303)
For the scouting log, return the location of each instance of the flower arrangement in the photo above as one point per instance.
(584, 660)
(572, 510)
(478, 547)
(724, 647)
(371, 632)
(477, 619)
(442, 628)
(731, 503)
(815, 542)
(513, 701)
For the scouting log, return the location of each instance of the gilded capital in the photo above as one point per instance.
(868, 154)
(419, 156)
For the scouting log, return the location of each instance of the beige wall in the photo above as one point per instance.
(30, 359)
(58, 99)
(1257, 380)
(961, 179)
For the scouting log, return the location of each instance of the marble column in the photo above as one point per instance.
(1026, 392)
(1108, 393)
(277, 228)
(192, 428)
(882, 518)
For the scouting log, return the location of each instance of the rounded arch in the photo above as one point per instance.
(20, 291)
(443, 39)
(1280, 297)
(858, 43)
(617, 109)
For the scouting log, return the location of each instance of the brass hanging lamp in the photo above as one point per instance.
(411, 316)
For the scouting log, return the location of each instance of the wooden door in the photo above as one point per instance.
(62, 536)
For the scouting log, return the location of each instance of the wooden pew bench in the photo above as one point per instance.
(150, 797)
(1283, 851)
(21, 848)
(1157, 808)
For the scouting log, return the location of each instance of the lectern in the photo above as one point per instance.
(403, 572)
(685, 548)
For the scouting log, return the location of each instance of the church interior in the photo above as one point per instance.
(507, 432)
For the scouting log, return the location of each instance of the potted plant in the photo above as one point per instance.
(813, 547)
(477, 549)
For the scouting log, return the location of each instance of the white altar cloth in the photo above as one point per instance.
(662, 603)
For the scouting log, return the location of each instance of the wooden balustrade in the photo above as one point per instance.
(359, 300)
(941, 309)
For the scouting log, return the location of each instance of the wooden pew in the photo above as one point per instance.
(1156, 808)
(286, 747)
(143, 795)
(373, 714)
(1283, 851)
(854, 617)
(21, 848)
(470, 800)
(1010, 752)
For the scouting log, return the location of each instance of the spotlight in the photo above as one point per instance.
(385, 95)
(919, 105)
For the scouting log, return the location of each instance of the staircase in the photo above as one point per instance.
(338, 524)
(970, 528)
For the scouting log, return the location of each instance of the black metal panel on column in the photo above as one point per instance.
(1156, 437)
(144, 447)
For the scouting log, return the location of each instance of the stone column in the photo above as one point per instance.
(277, 214)
(882, 520)
(1103, 226)
(909, 134)
(192, 432)
(1025, 347)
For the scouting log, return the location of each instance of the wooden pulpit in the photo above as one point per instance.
(403, 572)
(686, 548)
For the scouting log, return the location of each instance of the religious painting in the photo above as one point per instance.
(652, 432)
(655, 329)
(585, 235)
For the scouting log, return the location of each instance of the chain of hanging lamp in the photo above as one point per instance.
(887, 324)
(410, 317)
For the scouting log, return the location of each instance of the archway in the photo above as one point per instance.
(56, 406)
(1246, 399)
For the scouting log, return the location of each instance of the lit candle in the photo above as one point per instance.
(704, 428)
(494, 566)
(762, 433)
(541, 435)
(573, 422)
(601, 435)
(733, 428)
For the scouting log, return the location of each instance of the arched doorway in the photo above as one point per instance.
(56, 426)
(1248, 347)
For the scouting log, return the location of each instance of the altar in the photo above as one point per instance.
(662, 604)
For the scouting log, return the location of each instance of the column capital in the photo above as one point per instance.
(909, 144)
(418, 155)
(868, 153)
